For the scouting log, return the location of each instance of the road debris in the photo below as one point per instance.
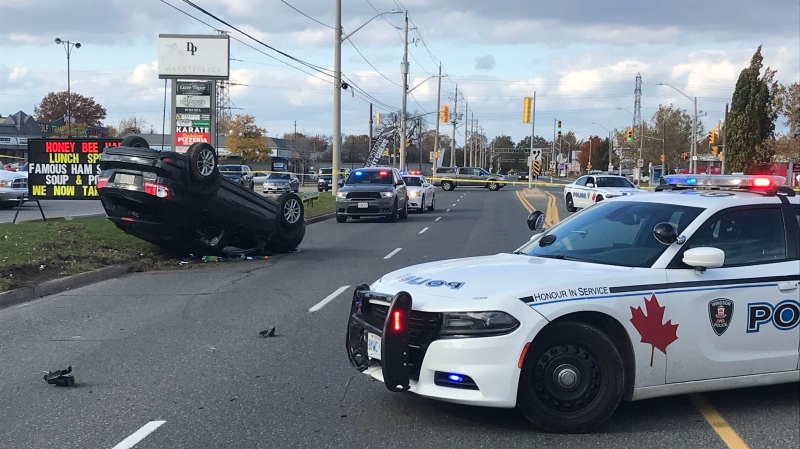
(270, 332)
(60, 378)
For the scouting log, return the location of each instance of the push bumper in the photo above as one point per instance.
(471, 371)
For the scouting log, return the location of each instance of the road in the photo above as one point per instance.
(175, 357)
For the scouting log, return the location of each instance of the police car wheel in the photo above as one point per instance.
(599, 198)
(570, 204)
(572, 378)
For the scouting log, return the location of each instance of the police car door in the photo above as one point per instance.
(741, 318)
(580, 193)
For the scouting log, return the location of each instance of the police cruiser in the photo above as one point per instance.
(590, 189)
(691, 289)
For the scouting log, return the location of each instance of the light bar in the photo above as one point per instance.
(731, 181)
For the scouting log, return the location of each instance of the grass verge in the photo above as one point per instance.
(325, 204)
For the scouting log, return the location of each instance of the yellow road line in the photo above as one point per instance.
(524, 202)
(718, 423)
(551, 216)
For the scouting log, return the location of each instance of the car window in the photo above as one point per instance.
(590, 180)
(445, 170)
(581, 181)
(464, 171)
(748, 236)
(613, 181)
(230, 168)
(610, 233)
(371, 177)
(280, 176)
(477, 172)
(325, 171)
(412, 181)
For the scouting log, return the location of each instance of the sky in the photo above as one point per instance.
(580, 57)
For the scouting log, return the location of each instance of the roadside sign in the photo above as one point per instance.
(65, 168)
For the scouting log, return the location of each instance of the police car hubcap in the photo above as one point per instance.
(566, 378)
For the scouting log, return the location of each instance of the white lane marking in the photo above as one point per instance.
(389, 256)
(423, 230)
(454, 205)
(139, 435)
(448, 210)
(439, 218)
(329, 298)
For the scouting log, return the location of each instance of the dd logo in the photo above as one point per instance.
(784, 316)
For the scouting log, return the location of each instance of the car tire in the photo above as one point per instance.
(202, 162)
(599, 198)
(422, 205)
(448, 186)
(212, 240)
(432, 207)
(135, 142)
(404, 213)
(289, 223)
(570, 203)
(581, 349)
(493, 186)
(341, 218)
(319, 189)
(393, 216)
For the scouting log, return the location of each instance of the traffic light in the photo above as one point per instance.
(662, 158)
(721, 155)
(444, 114)
(408, 143)
(711, 137)
(526, 109)
(378, 118)
(629, 135)
(559, 129)
(685, 155)
(714, 150)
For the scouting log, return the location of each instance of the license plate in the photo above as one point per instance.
(363, 206)
(122, 178)
(374, 346)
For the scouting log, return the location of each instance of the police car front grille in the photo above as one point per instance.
(423, 330)
(363, 195)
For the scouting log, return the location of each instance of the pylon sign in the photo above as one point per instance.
(536, 168)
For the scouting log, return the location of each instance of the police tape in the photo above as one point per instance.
(485, 182)
(11, 157)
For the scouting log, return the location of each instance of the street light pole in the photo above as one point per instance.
(692, 165)
(610, 147)
(336, 139)
(438, 119)
(454, 117)
(404, 72)
(68, 47)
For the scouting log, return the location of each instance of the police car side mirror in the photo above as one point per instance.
(704, 257)
(665, 233)
(536, 220)
(590, 185)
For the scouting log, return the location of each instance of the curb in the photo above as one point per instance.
(27, 294)
(319, 218)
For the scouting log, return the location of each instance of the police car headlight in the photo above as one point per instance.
(478, 324)
(387, 194)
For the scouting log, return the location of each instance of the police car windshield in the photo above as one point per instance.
(370, 177)
(612, 233)
(613, 181)
(412, 181)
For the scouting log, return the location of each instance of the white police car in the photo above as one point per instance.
(686, 290)
(590, 189)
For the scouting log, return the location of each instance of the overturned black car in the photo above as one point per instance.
(180, 202)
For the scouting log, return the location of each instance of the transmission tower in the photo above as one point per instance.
(637, 104)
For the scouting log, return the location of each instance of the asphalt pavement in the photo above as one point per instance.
(174, 359)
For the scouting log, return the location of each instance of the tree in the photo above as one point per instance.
(591, 148)
(500, 148)
(785, 147)
(752, 118)
(786, 100)
(130, 125)
(675, 127)
(247, 140)
(84, 109)
(355, 149)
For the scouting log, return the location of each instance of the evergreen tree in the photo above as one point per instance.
(751, 119)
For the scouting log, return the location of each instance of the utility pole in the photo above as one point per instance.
(369, 146)
(454, 117)
(553, 161)
(336, 143)
(530, 155)
(404, 72)
(692, 163)
(725, 148)
(438, 111)
(466, 119)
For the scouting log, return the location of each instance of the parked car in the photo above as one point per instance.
(13, 188)
(238, 173)
(421, 193)
(450, 177)
(182, 203)
(639, 297)
(372, 192)
(591, 189)
(281, 182)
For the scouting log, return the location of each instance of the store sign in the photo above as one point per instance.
(194, 56)
(65, 168)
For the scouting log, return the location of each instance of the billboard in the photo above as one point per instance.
(192, 113)
(194, 56)
(65, 168)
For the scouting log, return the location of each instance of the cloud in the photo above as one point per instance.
(17, 73)
(484, 62)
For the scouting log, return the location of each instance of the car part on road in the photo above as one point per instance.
(269, 332)
(60, 378)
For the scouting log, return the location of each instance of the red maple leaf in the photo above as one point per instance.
(650, 327)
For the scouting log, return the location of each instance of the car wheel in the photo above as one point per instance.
(319, 189)
(135, 142)
(570, 204)
(341, 218)
(213, 239)
(394, 214)
(448, 186)
(493, 186)
(290, 225)
(599, 198)
(404, 212)
(572, 378)
(432, 207)
(422, 205)
(202, 162)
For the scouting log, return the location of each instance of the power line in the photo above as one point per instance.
(370, 64)
(302, 13)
